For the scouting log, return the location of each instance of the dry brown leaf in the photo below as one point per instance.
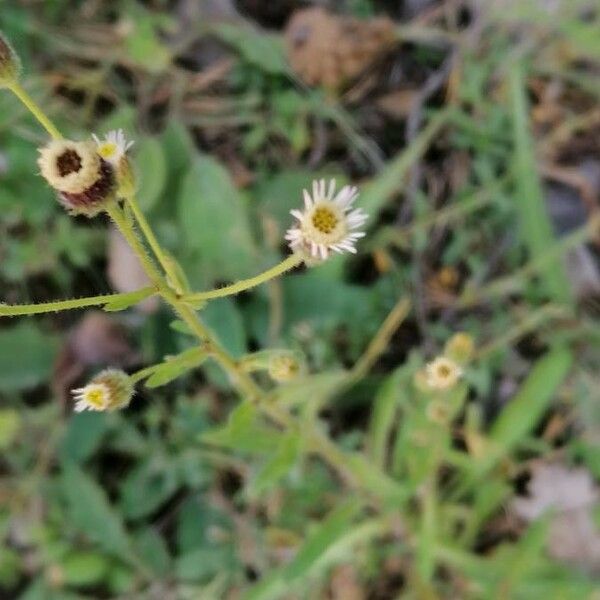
(569, 497)
(329, 50)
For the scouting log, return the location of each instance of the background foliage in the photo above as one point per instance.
(478, 162)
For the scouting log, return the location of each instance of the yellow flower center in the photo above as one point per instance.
(107, 150)
(324, 220)
(444, 371)
(96, 397)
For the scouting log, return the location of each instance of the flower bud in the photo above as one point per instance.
(85, 182)
(10, 65)
(110, 390)
(284, 367)
(460, 347)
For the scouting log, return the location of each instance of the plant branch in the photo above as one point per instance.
(7, 310)
(288, 264)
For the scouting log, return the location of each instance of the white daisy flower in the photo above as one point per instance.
(328, 221)
(94, 396)
(442, 373)
(111, 389)
(114, 146)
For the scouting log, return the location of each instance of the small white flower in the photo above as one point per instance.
(94, 396)
(110, 390)
(114, 146)
(442, 373)
(328, 221)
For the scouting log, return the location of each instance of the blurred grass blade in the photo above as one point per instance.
(525, 410)
(382, 421)
(333, 528)
(390, 179)
(536, 227)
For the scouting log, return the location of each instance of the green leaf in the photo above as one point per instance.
(215, 226)
(85, 432)
(389, 182)
(536, 227)
(223, 318)
(204, 563)
(524, 411)
(26, 357)
(151, 171)
(261, 49)
(279, 465)
(382, 419)
(10, 423)
(84, 568)
(176, 366)
(312, 388)
(91, 513)
(244, 431)
(125, 301)
(322, 538)
(153, 552)
(149, 485)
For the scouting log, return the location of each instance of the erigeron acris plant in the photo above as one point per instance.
(94, 176)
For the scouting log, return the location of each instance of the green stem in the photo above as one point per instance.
(17, 89)
(7, 310)
(243, 381)
(150, 237)
(288, 264)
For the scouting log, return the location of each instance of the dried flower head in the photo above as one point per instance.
(10, 65)
(109, 390)
(83, 179)
(284, 367)
(442, 373)
(327, 223)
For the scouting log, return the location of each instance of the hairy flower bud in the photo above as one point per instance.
(85, 182)
(284, 367)
(460, 347)
(10, 65)
(109, 390)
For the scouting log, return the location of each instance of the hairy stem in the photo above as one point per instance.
(17, 89)
(288, 264)
(15, 310)
(150, 237)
